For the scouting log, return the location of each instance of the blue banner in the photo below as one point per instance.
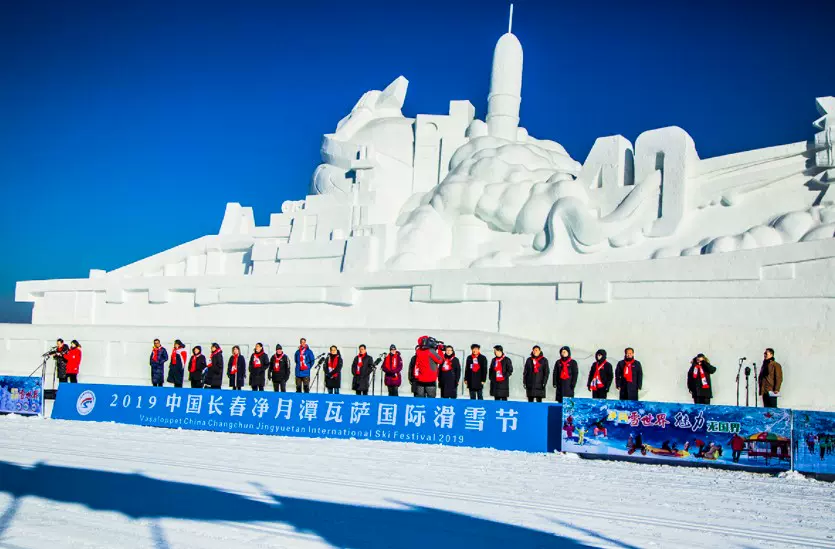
(518, 426)
(21, 395)
(748, 438)
(814, 442)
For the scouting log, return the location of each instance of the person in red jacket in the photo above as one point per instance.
(73, 358)
(737, 445)
(392, 366)
(427, 359)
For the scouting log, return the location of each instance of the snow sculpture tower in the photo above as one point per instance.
(505, 86)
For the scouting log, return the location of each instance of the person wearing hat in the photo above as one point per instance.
(565, 374)
(475, 372)
(214, 374)
(279, 371)
(501, 368)
(333, 371)
(449, 374)
(600, 375)
(535, 375)
(177, 366)
(236, 369)
(392, 366)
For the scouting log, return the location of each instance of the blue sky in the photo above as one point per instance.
(125, 127)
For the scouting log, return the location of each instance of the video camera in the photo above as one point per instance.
(430, 342)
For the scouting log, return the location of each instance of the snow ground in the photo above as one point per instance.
(66, 484)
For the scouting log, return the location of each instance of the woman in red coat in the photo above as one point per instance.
(73, 358)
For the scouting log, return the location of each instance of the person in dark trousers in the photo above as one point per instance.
(214, 374)
(475, 372)
(392, 366)
(361, 369)
(737, 445)
(427, 360)
(196, 365)
(412, 378)
(601, 375)
(236, 369)
(501, 368)
(629, 375)
(535, 375)
(279, 371)
(698, 379)
(449, 374)
(58, 353)
(333, 371)
(73, 358)
(771, 379)
(258, 364)
(177, 367)
(566, 373)
(159, 356)
(304, 359)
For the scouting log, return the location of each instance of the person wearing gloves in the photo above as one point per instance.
(258, 364)
(565, 375)
(449, 374)
(236, 369)
(196, 365)
(159, 356)
(361, 369)
(535, 375)
(304, 359)
(279, 371)
(501, 368)
(177, 367)
(392, 366)
(333, 371)
(698, 379)
(600, 375)
(214, 373)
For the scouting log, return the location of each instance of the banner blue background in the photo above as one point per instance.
(814, 446)
(666, 432)
(475, 423)
(20, 395)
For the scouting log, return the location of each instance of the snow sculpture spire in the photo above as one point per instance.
(505, 86)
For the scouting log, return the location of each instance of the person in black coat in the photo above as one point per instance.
(159, 356)
(214, 373)
(61, 349)
(698, 379)
(475, 372)
(449, 374)
(361, 369)
(177, 366)
(258, 364)
(600, 375)
(412, 378)
(629, 375)
(236, 369)
(535, 375)
(333, 371)
(566, 373)
(501, 368)
(196, 365)
(279, 371)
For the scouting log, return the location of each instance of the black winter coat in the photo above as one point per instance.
(501, 388)
(475, 380)
(607, 375)
(694, 385)
(565, 387)
(196, 367)
(361, 369)
(61, 362)
(214, 376)
(333, 377)
(630, 390)
(448, 379)
(258, 375)
(176, 369)
(238, 378)
(535, 382)
(412, 379)
(279, 371)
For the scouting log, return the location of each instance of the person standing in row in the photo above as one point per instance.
(361, 368)
(392, 366)
(449, 374)
(304, 362)
(196, 366)
(177, 367)
(501, 368)
(279, 371)
(771, 379)
(61, 349)
(73, 358)
(566, 373)
(333, 371)
(475, 372)
(214, 375)
(629, 376)
(159, 356)
(412, 378)
(535, 375)
(600, 375)
(698, 379)
(258, 364)
(427, 360)
(236, 369)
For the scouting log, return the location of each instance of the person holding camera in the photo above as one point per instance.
(535, 375)
(177, 367)
(771, 379)
(361, 368)
(333, 371)
(475, 372)
(501, 368)
(698, 379)
(236, 369)
(449, 374)
(279, 371)
(392, 366)
(159, 356)
(258, 364)
(196, 365)
(427, 359)
(73, 359)
(58, 353)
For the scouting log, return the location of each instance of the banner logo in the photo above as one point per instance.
(85, 403)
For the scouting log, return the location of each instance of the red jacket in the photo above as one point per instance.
(426, 365)
(73, 358)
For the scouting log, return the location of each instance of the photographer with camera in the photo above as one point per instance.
(426, 361)
(361, 368)
(57, 353)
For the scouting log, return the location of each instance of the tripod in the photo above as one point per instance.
(374, 374)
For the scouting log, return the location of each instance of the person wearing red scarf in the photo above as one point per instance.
(449, 374)
(279, 371)
(333, 371)
(258, 364)
(196, 365)
(475, 372)
(424, 369)
(361, 368)
(501, 368)
(600, 375)
(566, 373)
(177, 367)
(698, 379)
(159, 356)
(214, 372)
(535, 375)
(629, 375)
(236, 369)
(392, 366)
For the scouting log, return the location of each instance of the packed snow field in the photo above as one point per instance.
(65, 484)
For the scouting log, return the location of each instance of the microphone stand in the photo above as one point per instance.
(738, 373)
(747, 392)
(756, 386)
(318, 369)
